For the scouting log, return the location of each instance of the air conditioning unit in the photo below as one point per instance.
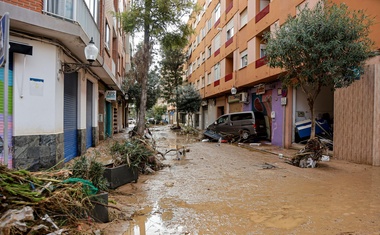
(243, 97)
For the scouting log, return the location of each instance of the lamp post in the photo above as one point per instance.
(90, 52)
(233, 90)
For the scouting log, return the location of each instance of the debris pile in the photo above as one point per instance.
(40, 202)
(138, 153)
(308, 157)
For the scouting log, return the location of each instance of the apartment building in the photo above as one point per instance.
(226, 62)
(59, 104)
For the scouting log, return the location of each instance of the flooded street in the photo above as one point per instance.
(229, 189)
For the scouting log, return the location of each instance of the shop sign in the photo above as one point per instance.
(110, 95)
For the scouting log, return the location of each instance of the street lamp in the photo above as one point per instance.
(90, 52)
(233, 90)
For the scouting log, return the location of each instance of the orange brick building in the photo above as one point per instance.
(228, 51)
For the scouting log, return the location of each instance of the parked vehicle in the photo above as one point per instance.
(131, 121)
(239, 124)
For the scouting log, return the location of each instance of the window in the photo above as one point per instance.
(209, 52)
(217, 12)
(209, 78)
(208, 25)
(203, 57)
(93, 8)
(217, 42)
(263, 48)
(230, 29)
(108, 36)
(243, 59)
(63, 8)
(198, 84)
(243, 18)
(202, 82)
(208, 2)
(198, 61)
(190, 69)
(203, 32)
(217, 72)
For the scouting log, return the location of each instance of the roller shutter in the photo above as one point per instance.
(89, 105)
(70, 116)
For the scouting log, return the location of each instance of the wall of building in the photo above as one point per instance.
(34, 5)
(41, 102)
(277, 127)
(356, 119)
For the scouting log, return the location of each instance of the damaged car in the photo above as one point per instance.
(239, 124)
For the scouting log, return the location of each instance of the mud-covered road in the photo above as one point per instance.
(228, 189)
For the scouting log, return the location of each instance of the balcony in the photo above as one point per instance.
(229, 7)
(76, 12)
(217, 52)
(228, 77)
(262, 13)
(217, 23)
(229, 41)
(260, 62)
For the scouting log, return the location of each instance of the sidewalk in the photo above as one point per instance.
(275, 150)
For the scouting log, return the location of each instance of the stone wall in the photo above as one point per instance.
(36, 152)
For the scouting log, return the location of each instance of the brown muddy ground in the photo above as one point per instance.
(229, 189)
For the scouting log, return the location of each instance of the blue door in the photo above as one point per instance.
(89, 105)
(70, 114)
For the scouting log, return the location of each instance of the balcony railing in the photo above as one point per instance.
(229, 7)
(262, 13)
(75, 11)
(260, 62)
(216, 23)
(217, 52)
(229, 41)
(228, 77)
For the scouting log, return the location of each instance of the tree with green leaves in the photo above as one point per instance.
(189, 101)
(157, 111)
(154, 18)
(172, 66)
(323, 46)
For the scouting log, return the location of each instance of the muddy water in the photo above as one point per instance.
(227, 189)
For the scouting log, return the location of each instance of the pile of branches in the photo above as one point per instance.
(189, 130)
(138, 153)
(309, 156)
(40, 202)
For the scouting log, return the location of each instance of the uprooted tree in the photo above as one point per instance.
(323, 46)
